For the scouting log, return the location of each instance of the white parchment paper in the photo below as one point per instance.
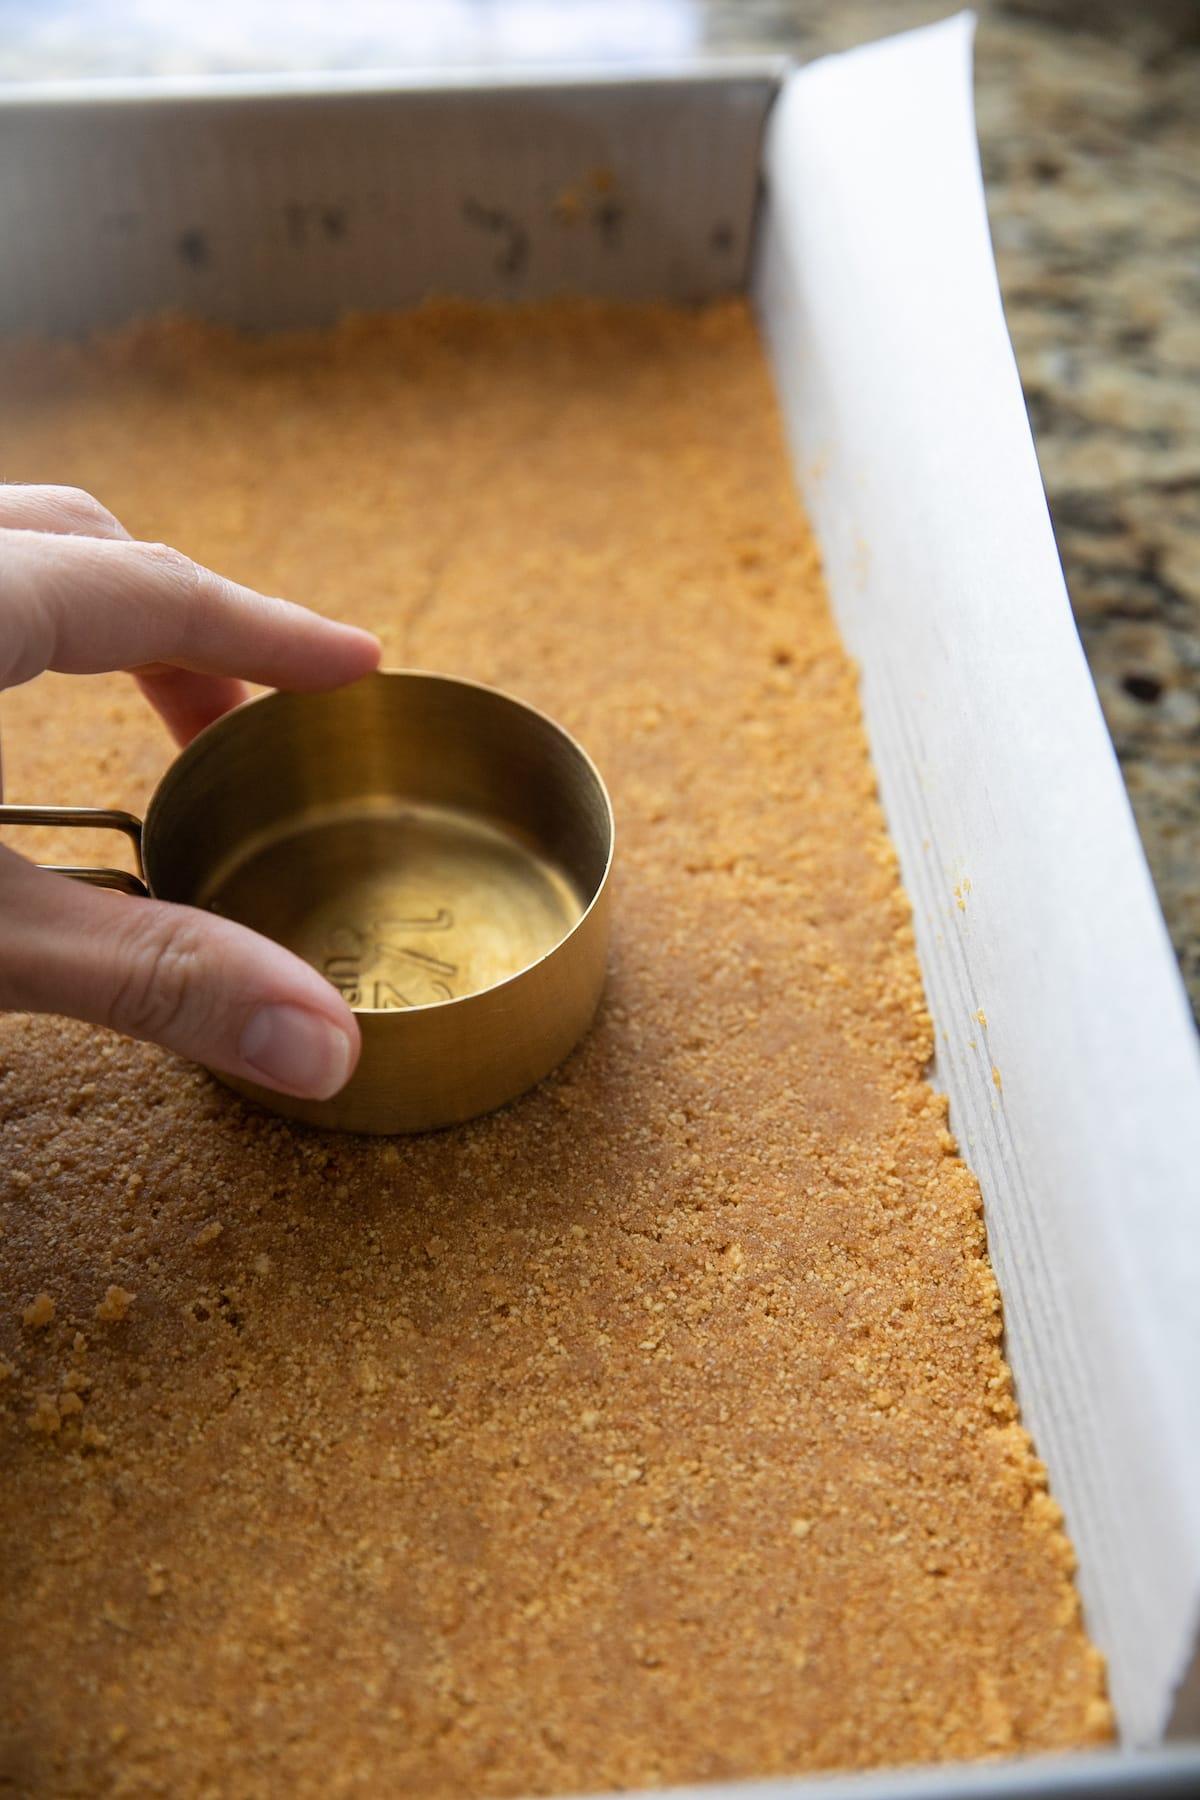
(1063, 1033)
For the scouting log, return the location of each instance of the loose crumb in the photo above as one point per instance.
(115, 1305)
(45, 1418)
(39, 1313)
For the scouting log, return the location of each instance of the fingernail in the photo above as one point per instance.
(299, 1050)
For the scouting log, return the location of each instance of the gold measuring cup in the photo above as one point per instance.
(438, 850)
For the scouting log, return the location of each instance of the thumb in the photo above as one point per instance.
(202, 986)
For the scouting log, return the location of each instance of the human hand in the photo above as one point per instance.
(80, 596)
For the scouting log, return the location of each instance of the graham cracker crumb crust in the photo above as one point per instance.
(655, 1429)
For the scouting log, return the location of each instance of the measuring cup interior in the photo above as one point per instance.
(416, 839)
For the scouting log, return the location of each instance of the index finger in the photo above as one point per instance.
(84, 605)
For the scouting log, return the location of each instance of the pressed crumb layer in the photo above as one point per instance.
(654, 1429)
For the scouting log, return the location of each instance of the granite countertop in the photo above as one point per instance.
(1089, 118)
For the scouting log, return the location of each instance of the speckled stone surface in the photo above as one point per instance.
(1091, 150)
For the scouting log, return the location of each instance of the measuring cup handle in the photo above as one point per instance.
(97, 818)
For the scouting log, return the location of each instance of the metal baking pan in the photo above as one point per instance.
(278, 202)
